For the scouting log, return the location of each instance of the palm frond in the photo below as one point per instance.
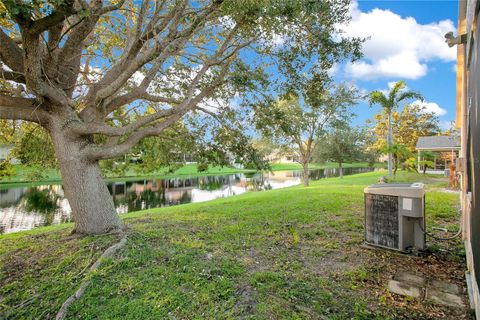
(377, 97)
(409, 95)
(397, 88)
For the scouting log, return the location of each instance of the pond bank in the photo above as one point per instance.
(287, 253)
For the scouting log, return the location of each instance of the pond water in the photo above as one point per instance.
(24, 208)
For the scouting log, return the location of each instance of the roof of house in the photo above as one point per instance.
(438, 143)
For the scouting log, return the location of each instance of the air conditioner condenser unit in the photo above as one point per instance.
(395, 216)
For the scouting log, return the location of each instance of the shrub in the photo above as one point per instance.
(6, 169)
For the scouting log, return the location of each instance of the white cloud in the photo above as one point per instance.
(227, 22)
(137, 78)
(431, 107)
(84, 80)
(396, 46)
(446, 125)
(278, 40)
(333, 70)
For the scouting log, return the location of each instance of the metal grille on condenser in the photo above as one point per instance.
(382, 220)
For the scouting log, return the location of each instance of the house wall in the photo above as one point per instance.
(279, 156)
(468, 120)
(5, 151)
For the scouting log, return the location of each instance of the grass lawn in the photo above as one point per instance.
(292, 253)
(25, 175)
(296, 166)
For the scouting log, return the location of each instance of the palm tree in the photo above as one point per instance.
(389, 103)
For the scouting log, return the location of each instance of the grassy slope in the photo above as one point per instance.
(289, 253)
(23, 173)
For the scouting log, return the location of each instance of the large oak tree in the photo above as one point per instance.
(78, 67)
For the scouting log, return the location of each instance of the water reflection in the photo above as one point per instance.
(30, 207)
(41, 200)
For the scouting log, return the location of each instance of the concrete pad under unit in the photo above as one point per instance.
(404, 289)
(410, 278)
(443, 298)
(445, 286)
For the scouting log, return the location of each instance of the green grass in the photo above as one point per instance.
(24, 174)
(292, 253)
(296, 166)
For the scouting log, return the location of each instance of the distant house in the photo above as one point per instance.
(383, 158)
(5, 150)
(282, 156)
(439, 143)
(446, 149)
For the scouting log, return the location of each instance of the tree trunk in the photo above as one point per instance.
(306, 178)
(340, 170)
(92, 205)
(390, 142)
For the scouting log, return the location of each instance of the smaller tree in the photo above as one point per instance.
(369, 152)
(6, 169)
(427, 160)
(298, 121)
(34, 148)
(400, 154)
(341, 145)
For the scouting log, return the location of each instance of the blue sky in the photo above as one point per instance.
(405, 42)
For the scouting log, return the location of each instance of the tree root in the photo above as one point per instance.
(81, 290)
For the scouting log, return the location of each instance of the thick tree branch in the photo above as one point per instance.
(137, 56)
(133, 58)
(54, 36)
(34, 73)
(110, 8)
(52, 19)
(138, 91)
(127, 98)
(17, 108)
(71, 52)
(102, 128)
(159, 99)
(183, 107)
(10, 53)
(98, 153)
